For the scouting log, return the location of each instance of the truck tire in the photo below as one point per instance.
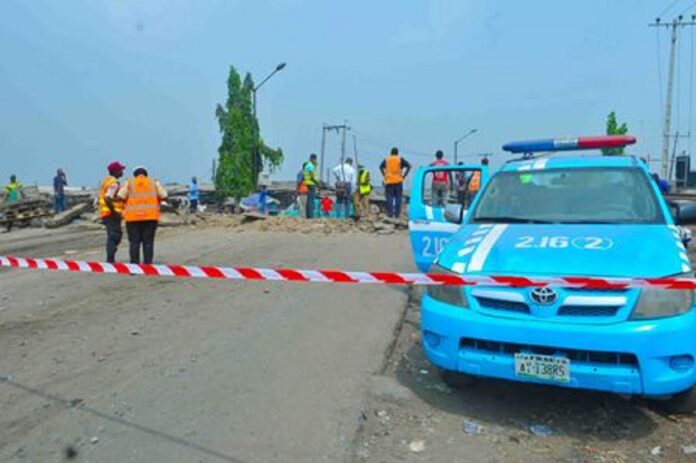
(683, 402)
(456, 379)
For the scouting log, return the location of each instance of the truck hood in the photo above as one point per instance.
(641, 251)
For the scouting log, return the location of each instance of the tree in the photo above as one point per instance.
(233, 174)
(613, 128)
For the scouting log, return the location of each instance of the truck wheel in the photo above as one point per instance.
(683, 402)
(456, 379)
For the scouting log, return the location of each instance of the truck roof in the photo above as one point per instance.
(557, 160)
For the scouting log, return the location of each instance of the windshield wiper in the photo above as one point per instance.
(504, 219)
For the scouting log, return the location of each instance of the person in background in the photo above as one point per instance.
(310, 179)
(13, 194)
(263, 199)
(60, 181)
(441, 181)
(141, 213)
(301, 192)
(344, 182)
(194, 195)
(475, 183)
(111, 209)
(662, 184)
(461, 186)
(394, 170)
(362, 196)
(327, 205)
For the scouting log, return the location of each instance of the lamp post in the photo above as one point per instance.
(256, 161)
(456, 142)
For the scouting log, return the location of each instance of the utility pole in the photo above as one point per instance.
(456, 142)
(355, 151)
(326, 128)
(323, 149)
(675, 26)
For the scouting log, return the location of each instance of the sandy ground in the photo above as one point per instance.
(154, 369)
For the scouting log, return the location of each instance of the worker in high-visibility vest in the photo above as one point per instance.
(141, 213)
(394, 170)
(362, 196)
(111, 209)
(309, 171)
(475, 181)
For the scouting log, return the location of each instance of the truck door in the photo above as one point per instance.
(433, 189)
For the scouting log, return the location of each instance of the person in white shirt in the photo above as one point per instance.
(345, 178)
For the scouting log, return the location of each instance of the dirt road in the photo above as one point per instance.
(183, 370)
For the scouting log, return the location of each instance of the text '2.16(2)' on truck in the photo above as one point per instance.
(569, 214)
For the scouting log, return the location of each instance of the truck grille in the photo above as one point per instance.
(498, 304)
(588, 356)
(588, 311)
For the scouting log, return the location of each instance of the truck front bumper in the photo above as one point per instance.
(652, 358)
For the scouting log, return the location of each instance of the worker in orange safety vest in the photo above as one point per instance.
(142, 196)
(394, 170)
(111, 209)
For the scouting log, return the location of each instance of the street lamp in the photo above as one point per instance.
(256, 161)
(456, 142)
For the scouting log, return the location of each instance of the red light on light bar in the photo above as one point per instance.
(606, 141)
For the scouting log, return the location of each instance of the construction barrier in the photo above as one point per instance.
(340, 276)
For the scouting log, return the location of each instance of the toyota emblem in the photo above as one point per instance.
(543, 295)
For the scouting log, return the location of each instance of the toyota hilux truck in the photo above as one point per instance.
(556, 212)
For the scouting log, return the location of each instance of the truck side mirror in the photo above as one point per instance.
(454, 213)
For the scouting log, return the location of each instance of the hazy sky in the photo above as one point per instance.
(85, 82)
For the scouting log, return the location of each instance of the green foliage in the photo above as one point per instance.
(233, 174)
(613, 128)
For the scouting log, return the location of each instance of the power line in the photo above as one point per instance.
(377, 141)
(669, 7)
(688, 8)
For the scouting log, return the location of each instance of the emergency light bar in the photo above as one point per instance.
(569, 144)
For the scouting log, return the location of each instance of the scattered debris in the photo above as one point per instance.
(688, 449)
(70, 452)
(135, 332)
(655, 451)
(94, 439)
(470, 427)
(68, 216)
(540, 430)
(423, 371)
(417, 446)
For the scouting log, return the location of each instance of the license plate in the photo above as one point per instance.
(545, 367)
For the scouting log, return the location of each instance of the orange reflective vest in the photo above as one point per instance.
(104, 210)
(143, 202)
(392, 170)
(475, 182)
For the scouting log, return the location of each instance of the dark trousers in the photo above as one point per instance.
(311, 196)
(194, 205)
(113, 236)
(58, 203)
(141, 233)
(394, 192)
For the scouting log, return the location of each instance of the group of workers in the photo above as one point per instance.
(350, 184)
(352, 187)
(135, 202)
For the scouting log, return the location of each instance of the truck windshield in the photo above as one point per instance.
(575, 195)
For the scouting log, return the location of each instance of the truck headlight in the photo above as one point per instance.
(661, 303)
(449, 294)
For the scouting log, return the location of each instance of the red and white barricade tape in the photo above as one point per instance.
(340, 276)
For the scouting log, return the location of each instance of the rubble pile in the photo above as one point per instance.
(381, 225)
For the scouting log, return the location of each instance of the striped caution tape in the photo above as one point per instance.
(340, 276)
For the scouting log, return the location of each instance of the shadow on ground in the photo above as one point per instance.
(573, 413)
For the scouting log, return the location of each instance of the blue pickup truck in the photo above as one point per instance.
(550, 214)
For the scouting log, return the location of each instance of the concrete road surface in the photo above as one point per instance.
(120, 368)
